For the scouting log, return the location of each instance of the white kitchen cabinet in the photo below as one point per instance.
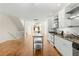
(58, 44)
(61, 16)
(50, 24)
(70, 8)
(75, 22)
(67, 50)
(72, 14)
(53, 23)
(63, 20)
(66, 47)
(63, 46)
(50, 37)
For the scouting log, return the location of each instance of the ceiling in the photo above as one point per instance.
(30, 11)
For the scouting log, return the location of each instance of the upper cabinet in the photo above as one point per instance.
(69, 16)
(50, 22)
(61, 17)
(72, 13)
(73, 7)
(63, 21)
(56, 22)
(53, 23)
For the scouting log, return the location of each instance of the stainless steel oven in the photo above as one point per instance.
(75, 49)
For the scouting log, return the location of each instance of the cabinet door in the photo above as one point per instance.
(67, 50)
(58, 44)
(75, 22)
(50, 22)
(66, 47)
(61, 15)
(63, 21)
(63, 46)
(50, 37)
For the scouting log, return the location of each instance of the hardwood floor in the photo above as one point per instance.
(48, 49)
(25, 48)
(10, 48)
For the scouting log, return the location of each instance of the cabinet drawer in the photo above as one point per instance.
(64, 46)
(67, 43)
(37, 46)
(64, 41)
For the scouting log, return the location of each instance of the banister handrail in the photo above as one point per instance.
(11, 35)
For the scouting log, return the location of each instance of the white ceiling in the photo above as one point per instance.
(30, 11)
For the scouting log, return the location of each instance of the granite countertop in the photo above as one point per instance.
(71, 38)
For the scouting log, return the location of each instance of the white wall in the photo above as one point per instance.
(45, 27)
(28, 27)
(7, 27)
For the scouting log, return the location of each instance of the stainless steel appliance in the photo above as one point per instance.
(75, 49)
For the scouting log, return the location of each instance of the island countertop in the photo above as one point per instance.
(37, 35)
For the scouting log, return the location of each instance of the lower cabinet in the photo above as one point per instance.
(50, 37)
(63, 46)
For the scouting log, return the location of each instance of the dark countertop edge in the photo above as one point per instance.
(61, 36)
(66, 39)
(37, 36)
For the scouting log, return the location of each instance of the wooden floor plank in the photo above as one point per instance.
(25, 48)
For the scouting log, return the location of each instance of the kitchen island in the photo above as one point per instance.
(38, 43)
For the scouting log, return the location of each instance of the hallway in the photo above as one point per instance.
(23, 20)
(48, 50)
(25, 48)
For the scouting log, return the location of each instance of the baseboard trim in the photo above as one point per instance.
(58, 51)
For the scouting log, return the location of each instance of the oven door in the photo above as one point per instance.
(75, 49)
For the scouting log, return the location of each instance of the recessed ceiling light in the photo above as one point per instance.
(59, 4)
(35, 19)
